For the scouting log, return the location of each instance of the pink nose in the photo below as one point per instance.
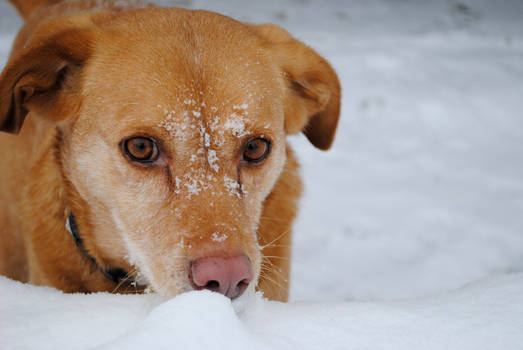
(228, 276)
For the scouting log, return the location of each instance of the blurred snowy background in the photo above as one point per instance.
(423, 189)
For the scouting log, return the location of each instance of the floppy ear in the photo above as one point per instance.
(313, 91)
(43, 78)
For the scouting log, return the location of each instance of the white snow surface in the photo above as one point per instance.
(485, 315)
(421, 194)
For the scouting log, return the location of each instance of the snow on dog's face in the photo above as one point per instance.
(179, 137)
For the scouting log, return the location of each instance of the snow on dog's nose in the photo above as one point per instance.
(228, 276)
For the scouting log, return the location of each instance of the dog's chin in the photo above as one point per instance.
(142, 280)
(167, 292)
(165, 287)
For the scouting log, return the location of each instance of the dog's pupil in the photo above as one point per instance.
(253, 147)
(140, 146)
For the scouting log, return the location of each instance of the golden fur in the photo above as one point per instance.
(83, 75)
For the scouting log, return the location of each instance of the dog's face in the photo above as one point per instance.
(182, 148)
(176, 134)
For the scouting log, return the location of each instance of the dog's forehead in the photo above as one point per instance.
(185, 69)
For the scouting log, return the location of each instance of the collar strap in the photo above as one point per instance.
(72, 227)
(116, 275)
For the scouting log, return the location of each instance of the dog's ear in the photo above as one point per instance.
(42, 76)
(313, 91)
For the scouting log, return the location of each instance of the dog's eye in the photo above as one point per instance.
(141, 149)
(256, 150)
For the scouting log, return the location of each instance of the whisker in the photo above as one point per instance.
(275, 271)
(274, 240)
(273, 219)
(273, 281)
(276, 257)
(277, 246)
(124, 279)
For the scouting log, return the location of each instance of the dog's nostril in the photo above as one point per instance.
(213, 285)
(241, 287)
(243, 283)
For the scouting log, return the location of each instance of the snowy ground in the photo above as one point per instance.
(487, 315)
(421, 194)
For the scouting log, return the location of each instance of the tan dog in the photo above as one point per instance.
(153, 149)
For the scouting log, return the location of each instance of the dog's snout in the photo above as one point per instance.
(229, 276)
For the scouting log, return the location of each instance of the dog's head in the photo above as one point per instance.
(173, 127)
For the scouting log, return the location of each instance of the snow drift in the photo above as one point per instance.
(484, 315)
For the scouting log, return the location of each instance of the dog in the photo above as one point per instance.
(144, 148)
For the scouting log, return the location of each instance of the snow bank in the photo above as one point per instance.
(485, 315)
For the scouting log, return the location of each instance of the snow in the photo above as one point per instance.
(421, 194)
(485, 315)
(243, 106)
(217, 237)
(236, 124)
(233, 187)
(212, 158)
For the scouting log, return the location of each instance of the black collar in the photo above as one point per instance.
(116, 275)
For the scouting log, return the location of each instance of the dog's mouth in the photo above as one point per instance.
(127, 282)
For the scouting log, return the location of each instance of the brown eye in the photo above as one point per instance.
(256, 150)
(141, 149)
